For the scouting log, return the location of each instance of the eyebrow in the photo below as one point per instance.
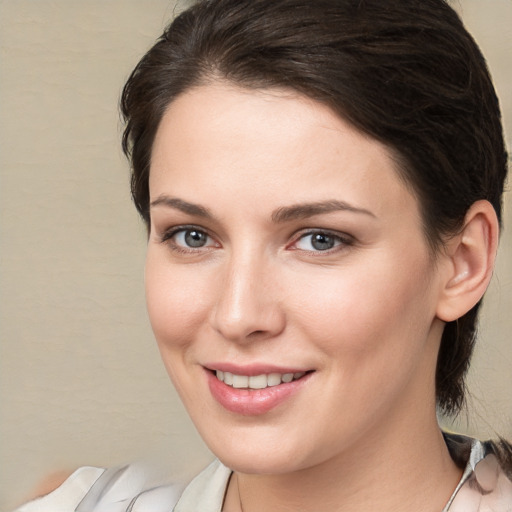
(183, 206)
(305, 210)
(283, 214)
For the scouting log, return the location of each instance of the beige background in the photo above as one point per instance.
(81, 381)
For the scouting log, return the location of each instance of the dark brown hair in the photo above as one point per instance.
(405, 72)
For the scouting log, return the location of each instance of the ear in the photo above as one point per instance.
(468, 261)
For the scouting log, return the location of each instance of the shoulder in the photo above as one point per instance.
(68, 495)
(207, 490)
(91, 489)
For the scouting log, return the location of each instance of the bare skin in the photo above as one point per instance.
(392, 486)
(49, 483)
(241, 183)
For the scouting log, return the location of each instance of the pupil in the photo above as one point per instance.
(195, 238)
(322, 242)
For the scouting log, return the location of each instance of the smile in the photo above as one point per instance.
(254, 390)
(257, 381)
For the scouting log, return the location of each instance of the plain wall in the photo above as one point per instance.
(80, 377)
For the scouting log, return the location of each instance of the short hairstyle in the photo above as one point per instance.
(405, 72)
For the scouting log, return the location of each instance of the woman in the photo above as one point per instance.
(322, 186)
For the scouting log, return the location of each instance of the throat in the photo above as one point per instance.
(344, 486)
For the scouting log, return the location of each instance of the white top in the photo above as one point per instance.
(484, 487)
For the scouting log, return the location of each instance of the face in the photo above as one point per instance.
(289, 283)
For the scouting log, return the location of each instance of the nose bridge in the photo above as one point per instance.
(247, 304)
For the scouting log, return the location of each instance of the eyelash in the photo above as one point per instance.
(342, 241)
(167, 238)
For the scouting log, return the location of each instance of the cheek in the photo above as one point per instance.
(175, 301)
(176, 307)
(357, 311)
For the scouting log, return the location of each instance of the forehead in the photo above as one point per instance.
(277, 143)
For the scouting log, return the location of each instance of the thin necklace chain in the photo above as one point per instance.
(239, 495)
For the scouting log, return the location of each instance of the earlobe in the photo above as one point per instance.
(469, 262)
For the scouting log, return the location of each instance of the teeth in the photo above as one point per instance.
(273, 379)
(257, 381)
(240, 381)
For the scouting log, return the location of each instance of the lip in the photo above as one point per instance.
(253, 402)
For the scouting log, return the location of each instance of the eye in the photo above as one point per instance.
(320, 241)
(188, 238)
(191, 238)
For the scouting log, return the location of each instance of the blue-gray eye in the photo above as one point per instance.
(318, 242)
(192, 238)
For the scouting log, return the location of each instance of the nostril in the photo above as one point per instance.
(256, 334)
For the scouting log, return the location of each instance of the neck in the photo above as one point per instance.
(392, 470)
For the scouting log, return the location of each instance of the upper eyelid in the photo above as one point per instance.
(165, 237)
(168, 233)
(332, 232)
(182, 227)
(345, 240)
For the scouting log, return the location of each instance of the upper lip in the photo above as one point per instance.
(253, 369)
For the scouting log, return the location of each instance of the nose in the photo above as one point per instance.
(248, 306)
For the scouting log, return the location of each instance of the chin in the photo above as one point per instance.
(262, 463)
(253, 454)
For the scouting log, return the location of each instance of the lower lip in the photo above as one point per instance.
(252, 402)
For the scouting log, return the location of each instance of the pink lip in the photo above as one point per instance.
(252, 402)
